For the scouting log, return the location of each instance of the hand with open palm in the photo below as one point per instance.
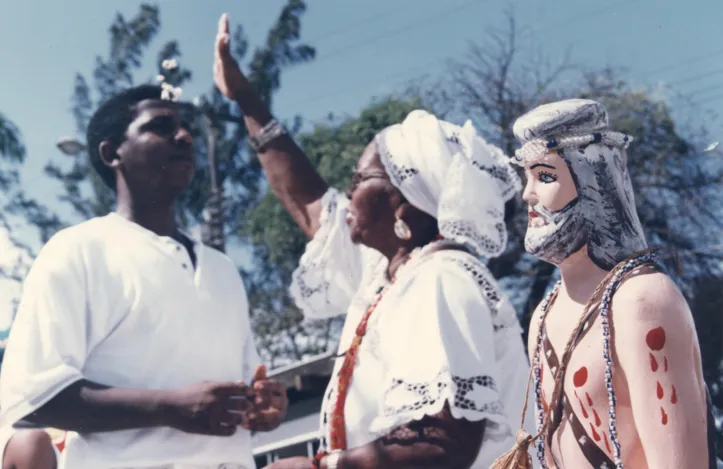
(226, 71)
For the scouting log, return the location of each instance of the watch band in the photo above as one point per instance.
(271, 131)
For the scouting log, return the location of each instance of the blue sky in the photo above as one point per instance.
(365, 49)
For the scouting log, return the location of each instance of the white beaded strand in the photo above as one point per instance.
(605, 323)
(534, 149)
(537, 375)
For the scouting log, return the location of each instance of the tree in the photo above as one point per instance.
(707, 304)
(334, 148)
(12, 155)
(15, 207)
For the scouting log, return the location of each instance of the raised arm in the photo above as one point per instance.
(292, 177)
(657, 349)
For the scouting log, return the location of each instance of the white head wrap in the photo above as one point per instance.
(454, 175)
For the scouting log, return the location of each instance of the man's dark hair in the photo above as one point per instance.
(110, 122)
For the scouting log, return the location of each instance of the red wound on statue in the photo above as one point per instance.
(607, 443)
(597, 417)
(660, 391)
(653, 363)
(655, 339)
(589, 400)
(582, 406)
(674, 396)
(663, 416)
(595, 434)
(665, 364)
(580, 377)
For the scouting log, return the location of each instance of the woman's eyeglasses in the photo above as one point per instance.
(358, 178)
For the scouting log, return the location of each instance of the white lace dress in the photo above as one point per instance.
(441, 333)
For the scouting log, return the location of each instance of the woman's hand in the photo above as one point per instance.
(226, 71)
(292, 463)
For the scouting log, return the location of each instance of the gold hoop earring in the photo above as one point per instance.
(402, 230)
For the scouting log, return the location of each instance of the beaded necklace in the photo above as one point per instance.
(337, 431)
(611, 283)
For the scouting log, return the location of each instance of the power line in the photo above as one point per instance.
(355, 24)
(406, 74)
(696, 77)
(584, 16)
(709, 99)
(396, 31)
(706, 90)
(686, 62)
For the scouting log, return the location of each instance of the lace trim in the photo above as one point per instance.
(429, 398)
(466, 232)
(397, 173)
(300, 290)
(492, 294)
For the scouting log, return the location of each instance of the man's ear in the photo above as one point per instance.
(109, 154)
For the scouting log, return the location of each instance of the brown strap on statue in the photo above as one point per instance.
(518, 457)
(592, 452)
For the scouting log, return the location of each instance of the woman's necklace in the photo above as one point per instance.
(337, 431)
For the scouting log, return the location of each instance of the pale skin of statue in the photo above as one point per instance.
(657, 374)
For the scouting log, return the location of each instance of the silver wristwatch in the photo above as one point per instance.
(271, 131)
(332, 460)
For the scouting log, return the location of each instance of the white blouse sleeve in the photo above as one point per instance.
(49, 339)
(331, 269)
(441, 351)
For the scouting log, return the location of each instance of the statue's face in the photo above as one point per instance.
(556, 226)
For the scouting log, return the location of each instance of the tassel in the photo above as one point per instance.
(518, 457)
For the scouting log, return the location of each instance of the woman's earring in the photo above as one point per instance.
(402, 230)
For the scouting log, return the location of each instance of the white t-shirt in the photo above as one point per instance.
(442, 333)
(114, 303)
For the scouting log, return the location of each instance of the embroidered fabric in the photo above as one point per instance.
(535, 149)
(458, 370)
(414, 400)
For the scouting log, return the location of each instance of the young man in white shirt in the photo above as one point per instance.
(130, 335)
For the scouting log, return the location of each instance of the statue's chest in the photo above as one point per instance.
(583, 412)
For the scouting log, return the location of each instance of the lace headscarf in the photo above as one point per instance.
(454, 175)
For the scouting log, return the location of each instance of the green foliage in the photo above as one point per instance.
(11, 145)
(334, 148)
(12, 155)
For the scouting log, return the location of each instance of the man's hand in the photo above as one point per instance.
(292, 463)
(208, 408)
(270, 403)
(226, 71)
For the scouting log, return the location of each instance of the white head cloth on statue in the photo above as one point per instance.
(454, 175)
(603, 216)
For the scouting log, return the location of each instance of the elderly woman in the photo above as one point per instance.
(431, 364)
